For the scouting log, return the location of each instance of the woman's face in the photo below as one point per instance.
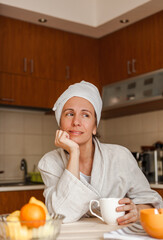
(78, 120)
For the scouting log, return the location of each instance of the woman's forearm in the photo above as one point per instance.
(73, 163)
(143, 206)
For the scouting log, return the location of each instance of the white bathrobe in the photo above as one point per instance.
(115, 173)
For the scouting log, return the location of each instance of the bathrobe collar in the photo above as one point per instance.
(98, 169)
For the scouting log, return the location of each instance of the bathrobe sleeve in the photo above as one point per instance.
(126, 178)
(139, 188)
(64, 193)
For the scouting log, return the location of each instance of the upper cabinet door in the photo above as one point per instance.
(27, 49)
(14, 39)
(68, 57)
(147, 38)
(89, 49)
(77, 58)
(133, 50)
(42, 58)
(114, 54)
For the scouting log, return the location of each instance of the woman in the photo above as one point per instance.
(82, 168)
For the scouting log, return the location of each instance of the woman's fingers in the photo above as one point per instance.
(128, 218)
(61, 136)
(126, 207)
(130, 209)
(63, 140)
(125, 201)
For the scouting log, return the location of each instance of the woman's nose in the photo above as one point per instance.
(76, 121)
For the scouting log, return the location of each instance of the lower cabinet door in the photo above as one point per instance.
(14, 200)
(160, 191)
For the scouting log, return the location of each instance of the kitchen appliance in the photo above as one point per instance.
(147, 160)
(132, 92)
(150, 161)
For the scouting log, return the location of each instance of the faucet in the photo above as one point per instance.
(23, 167)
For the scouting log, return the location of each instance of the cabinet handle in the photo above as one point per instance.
(128, 67)
(67, 72)
(25, 64)
(7, 99)
(32, 65)
(133, 65)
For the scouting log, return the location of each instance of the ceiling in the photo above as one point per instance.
(94, 18)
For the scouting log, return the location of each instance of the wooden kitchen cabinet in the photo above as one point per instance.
(27, 49)
(133, 50)
(14, 45)
(14, 200)
(38, 63)
(18, 90)
(112, 58)
(159, 190)
(76, 58)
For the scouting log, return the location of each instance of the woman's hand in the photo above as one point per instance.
(131, 211)
(63, 140)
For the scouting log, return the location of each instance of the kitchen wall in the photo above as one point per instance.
(24, 134)
(30, 134)
(134, 131)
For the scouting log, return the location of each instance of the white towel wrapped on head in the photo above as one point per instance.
(83, 89)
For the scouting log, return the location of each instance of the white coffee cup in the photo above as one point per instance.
(108, 210)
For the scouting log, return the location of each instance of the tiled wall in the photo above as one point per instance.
(24, 134)
(134, 131)
(30, 134)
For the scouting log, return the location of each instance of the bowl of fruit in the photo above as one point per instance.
(32, 221)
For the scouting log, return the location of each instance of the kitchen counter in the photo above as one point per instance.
(85, 228)
(42, 186)
(157, 185)
(22, 188)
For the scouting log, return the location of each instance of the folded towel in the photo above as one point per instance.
(132, 232)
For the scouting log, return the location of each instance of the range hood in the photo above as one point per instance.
(134, 95)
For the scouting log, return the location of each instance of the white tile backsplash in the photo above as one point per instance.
(134, 131)
(24, 134)
(1, 143)
(33, 123)
(48, 143)
(149, 122)
(13, 144)
(12, 167)
(32, 144)
(134, 124)
(13, 122)
(160, 135)
(2, 167)
(2, 126)
(160, 120)
(49, 124)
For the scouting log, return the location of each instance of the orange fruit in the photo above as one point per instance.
(32, 215)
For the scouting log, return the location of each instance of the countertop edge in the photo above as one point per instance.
(21, 188)
(42, 186)
(156, 185)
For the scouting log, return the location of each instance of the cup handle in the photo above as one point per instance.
(90, 208)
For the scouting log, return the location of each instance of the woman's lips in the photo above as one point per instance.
(76, 133)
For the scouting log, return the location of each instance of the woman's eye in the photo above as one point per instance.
(86, 115)
(69, 114)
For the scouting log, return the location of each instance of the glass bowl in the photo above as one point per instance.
(17, 230)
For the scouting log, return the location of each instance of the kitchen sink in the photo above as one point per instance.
(5, 184)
